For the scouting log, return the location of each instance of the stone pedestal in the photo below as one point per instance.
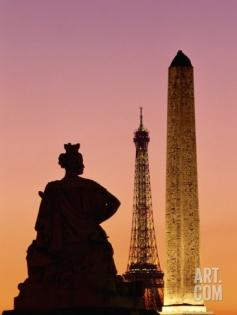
(185, 310)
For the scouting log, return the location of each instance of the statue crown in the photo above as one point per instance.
(72, 148)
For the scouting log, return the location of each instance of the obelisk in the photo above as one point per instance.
(182, 217)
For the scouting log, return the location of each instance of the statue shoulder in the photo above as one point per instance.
(92, 184)
(50, 187)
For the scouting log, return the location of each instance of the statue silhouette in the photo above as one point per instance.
(70, 263)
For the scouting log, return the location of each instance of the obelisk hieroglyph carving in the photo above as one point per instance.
(182, 217)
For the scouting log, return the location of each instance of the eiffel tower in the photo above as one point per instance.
(143, 262)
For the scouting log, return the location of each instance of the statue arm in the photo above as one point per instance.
(43, 210)
(109, 204)
(48, 224)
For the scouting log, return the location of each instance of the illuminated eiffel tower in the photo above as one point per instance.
(143, 262)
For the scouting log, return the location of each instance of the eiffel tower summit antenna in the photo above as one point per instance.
(141, 119)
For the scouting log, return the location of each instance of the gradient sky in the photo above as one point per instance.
(77, 71)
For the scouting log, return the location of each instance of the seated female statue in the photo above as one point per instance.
(71, 252)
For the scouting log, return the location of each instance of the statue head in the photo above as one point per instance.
(72, 160)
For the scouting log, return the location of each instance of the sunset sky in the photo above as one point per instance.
(78, 71)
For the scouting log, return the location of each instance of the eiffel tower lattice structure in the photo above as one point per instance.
(143, 263)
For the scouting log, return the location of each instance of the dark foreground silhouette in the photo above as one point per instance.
(70, 263)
